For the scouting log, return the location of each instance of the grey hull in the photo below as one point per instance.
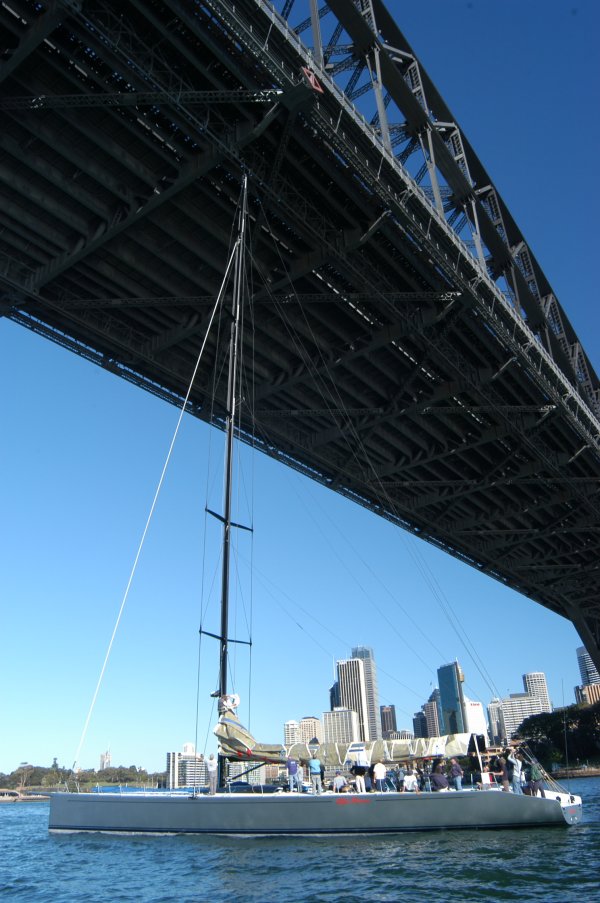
(305, 814)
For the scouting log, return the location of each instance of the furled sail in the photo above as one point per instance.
(236, 742)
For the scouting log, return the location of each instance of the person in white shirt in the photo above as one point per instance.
(211, 768)
(379, 773)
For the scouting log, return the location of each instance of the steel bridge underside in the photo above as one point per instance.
(387, 362)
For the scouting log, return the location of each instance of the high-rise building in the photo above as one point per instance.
(388, 719)
(340, 726)
(587, 695)
(515, 709)
(186, 769)
(334, 696)
(475, 718)
(420, 724)
(365, 653)
(240, 770)
(310, 728)
(535, 684)
(105, 760)
(451, 679)
(494, 711)
(291, 733)
(432, 712)
(353, 692)
(587, 669)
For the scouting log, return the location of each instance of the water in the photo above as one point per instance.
(545, 864)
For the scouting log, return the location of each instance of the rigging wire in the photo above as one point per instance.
(330, 392)
(150, 514)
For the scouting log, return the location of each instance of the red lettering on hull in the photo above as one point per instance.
(347, 801)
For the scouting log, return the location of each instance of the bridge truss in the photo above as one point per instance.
(408, 350)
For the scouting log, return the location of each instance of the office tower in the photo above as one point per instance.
(475, 722)
(587, 695)
(515, 709)
(310, 728)
(587, 669)
(365, 653)
(493, 712)
(340, 726)
(105, 760)
(185, 769)
(419, 724)
(432, 712)
(388, 719)
(239, 770)
(334, 696)
(291, 733)
(353, 692)
(450, 679)
(534, 683)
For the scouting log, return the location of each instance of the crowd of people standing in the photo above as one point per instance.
(509, 771)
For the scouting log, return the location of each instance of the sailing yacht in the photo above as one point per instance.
(228, 813)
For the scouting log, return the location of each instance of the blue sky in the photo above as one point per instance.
(82, 452)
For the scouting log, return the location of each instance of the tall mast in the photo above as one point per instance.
(232, 399)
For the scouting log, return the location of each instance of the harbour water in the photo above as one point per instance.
(550, 865)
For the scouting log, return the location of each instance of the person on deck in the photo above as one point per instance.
(292, 770)
(456, 774)
(359, 770)
(438, 779)
(314, 768)
(536, 780)
(380, 773)
(339, 782)
(517, 767)
(502, 773)
(211, 768)
(411, 781)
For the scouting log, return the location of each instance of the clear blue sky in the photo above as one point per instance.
(82, 451)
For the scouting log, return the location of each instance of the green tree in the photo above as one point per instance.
(572, 732)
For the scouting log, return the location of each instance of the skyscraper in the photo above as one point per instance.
(340, 726)
(432, 710)
(494, 712)
(365, 653)
(310, 727)
(388, 719)
(515, 709)
(587, 669)
(419, 724)
(353, 692)
(291, 733)
(450, 679)
(535, 684)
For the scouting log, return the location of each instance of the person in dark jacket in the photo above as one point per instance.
(438, 779)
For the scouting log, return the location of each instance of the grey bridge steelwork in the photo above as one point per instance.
(408, 350)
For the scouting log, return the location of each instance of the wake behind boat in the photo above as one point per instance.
(279, 813)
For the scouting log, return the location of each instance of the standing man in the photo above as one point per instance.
(517, 767)
(456, 773)
(211, 768)
(359, 770)
(536, 781)
(379, 773)
(292, 770)
(314, 768)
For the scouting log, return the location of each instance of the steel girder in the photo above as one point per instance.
(409, 351)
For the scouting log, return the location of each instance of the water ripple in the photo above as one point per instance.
(553, 865)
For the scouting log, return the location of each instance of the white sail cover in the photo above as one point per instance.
(346, 754)
(235, 742)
